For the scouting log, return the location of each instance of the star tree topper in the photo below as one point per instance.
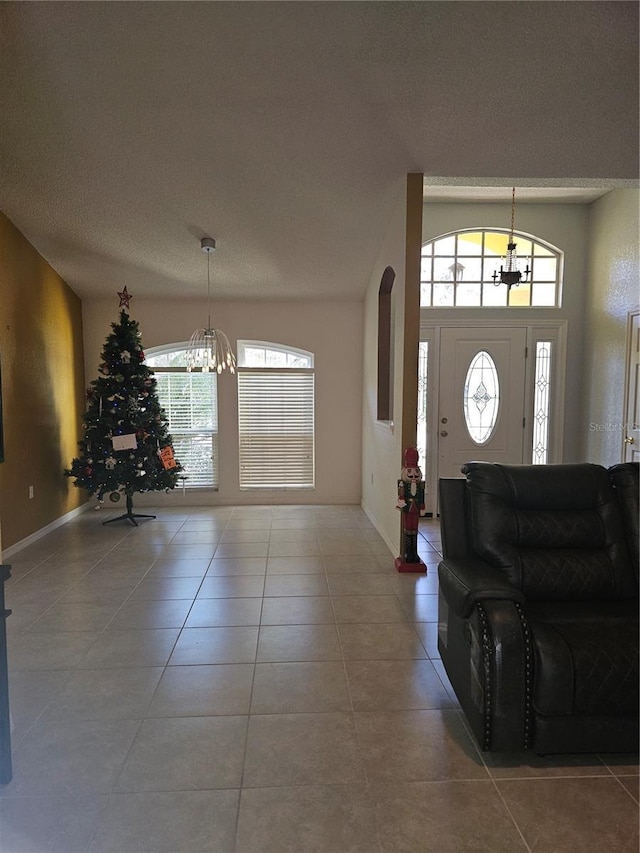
(125, 297)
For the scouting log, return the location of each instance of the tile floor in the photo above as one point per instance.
(261, 680)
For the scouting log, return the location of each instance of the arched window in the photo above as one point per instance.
(191, 405)
(458, 271)
(276, 414)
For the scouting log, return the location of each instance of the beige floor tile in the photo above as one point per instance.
(444, 817)
(212, 612)
(293, 534)
(232, 566)
(144, 615)
(331, 819)
(49, 824)
(297, 687)
(368, 608)
(105, 694)
(60, 650)
(339, 564)
(179, 568)
(100, 588)
(227, 550)
(294, 549)
(185, 753)
(295, 566)
(242, 586)
(390, 641)
(344, 548)
(632, 785)
(199, 691)
(69, 617)
(291, 610)
(215, 645)
(197, 551)
(176, 822)
(164, 588)
(395, 685)
(298, 643)
(410, 584)
(302, 749)
(420, 608)
(70, 757)
(130, 648)
(425, 746)
(197, 537)
(568, 815)
(29, 695)
(243, 534)
(354, 583)
(428, 633)
(296, 585)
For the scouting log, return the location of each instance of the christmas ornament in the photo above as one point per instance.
(167, 457)
(114, 497)
(110, 463)
(125, 356)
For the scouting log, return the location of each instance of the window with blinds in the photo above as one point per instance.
(276, 421)
(190, 403)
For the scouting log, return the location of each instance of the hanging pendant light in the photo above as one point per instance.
(509, 273)
(209, 349)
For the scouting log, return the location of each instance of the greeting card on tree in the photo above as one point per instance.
(125, 442)
(167, 457)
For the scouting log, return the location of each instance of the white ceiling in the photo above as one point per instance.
(285, 130)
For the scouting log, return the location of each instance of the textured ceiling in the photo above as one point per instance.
(285, 130)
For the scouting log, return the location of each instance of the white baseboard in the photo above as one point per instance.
(392, 547)
(29, 540)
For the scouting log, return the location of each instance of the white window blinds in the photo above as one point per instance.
(276, 428)
(190, 403)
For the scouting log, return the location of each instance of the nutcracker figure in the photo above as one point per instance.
(411, 503)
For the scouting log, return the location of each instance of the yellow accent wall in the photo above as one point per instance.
(41, 360)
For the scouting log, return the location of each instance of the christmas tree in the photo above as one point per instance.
(126, 446)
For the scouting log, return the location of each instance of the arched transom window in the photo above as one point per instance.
(458, 270)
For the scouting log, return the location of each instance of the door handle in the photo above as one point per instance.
(629, 439)
(443, 433)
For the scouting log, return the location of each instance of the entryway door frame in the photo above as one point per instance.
(542, 330)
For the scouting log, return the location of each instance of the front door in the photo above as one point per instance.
(481, 403)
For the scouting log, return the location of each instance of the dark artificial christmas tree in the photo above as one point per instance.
(126, 447)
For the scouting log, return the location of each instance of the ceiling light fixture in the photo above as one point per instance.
(209, 349)
(509, 273)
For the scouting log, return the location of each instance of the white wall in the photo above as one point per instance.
(613, 265)
(333, 331)
(382, 442)
(566, 227)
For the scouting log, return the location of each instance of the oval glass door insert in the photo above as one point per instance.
(481, 397)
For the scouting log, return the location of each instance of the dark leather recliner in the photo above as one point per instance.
(538, 606)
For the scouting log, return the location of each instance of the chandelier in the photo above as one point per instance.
(509, 273)
(209, 349)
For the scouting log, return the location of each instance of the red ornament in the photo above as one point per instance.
(88, 471)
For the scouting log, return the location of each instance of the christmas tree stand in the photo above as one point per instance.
(129, 514)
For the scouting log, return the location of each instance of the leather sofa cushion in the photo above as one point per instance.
(555, 531)
(585, 666)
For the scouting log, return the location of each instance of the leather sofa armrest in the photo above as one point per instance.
(466, 581)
